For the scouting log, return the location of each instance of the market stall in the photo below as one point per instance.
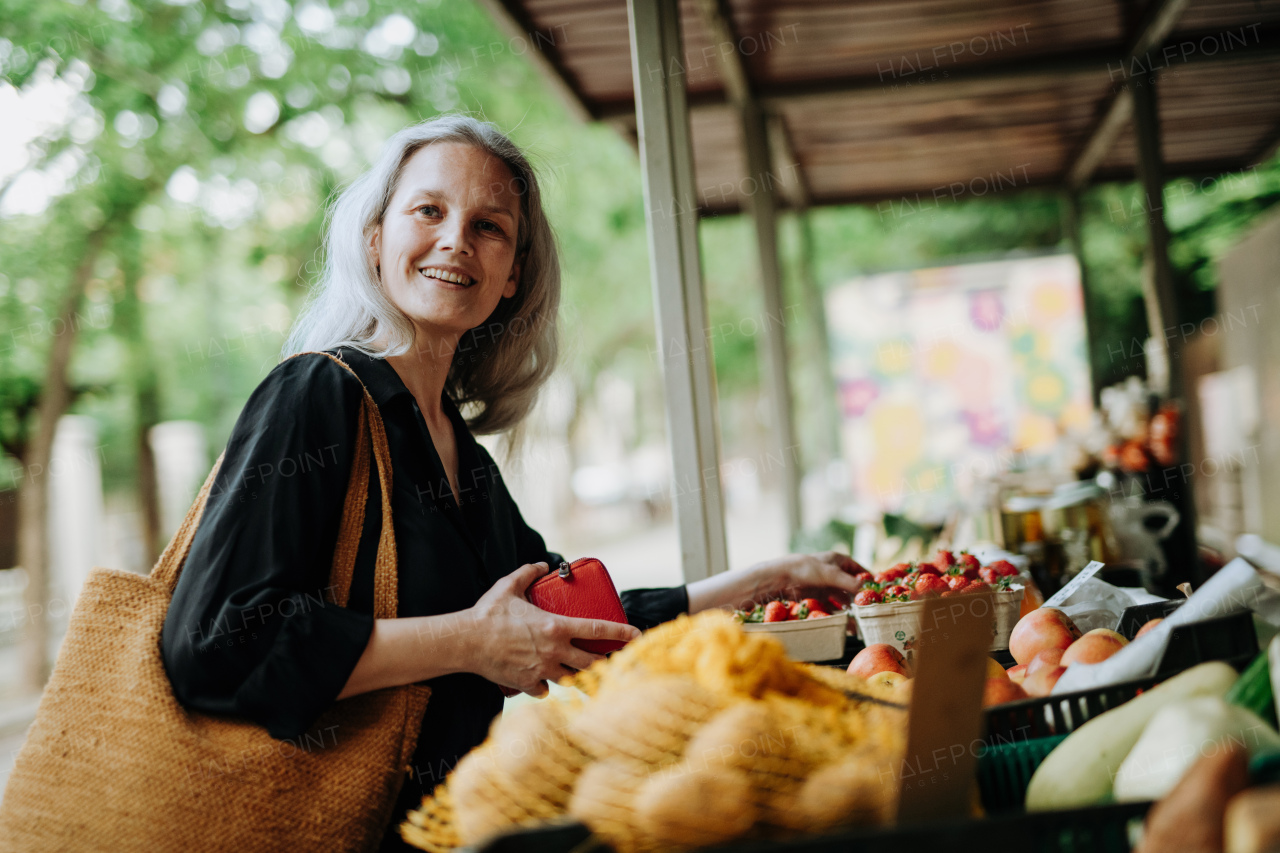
(741, 106)
(1116, 725)
(1029, 694)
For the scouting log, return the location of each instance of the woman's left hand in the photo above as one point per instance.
(796, 576)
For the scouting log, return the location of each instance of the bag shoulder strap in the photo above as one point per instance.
(369, 431)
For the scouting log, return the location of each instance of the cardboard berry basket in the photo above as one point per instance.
(898, 623)
(818, 639)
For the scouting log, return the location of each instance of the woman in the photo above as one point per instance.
(440, 289)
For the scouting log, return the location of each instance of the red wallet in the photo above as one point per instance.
(582, 589)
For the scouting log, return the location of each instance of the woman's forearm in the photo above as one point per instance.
(405, 651)
(728, 589)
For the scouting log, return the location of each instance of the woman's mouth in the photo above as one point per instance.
(448, 277)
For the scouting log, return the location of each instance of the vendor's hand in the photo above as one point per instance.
(797, 576)
(521, 646)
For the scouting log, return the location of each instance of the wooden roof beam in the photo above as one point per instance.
(514, 21)
(1156, 25)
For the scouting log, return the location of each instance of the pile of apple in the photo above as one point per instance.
(1044, 643)
(945, 575)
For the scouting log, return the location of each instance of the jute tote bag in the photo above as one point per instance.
(114, 763)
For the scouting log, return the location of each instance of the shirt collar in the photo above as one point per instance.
(385, 384)
(378, 376)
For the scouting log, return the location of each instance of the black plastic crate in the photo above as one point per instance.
(1098, 829)
(1138, 615)
(1228, 638)
(1064, 713)
(1044, 716)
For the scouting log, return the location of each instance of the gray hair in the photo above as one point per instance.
(511, 354)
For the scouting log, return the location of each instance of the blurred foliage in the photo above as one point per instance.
(201, 141)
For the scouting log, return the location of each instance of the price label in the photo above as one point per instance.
(1076, 582)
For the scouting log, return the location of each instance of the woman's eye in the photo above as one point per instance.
(429, 210)
(486, 225)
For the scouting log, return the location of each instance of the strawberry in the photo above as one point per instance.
(969, 564)
(776, 611)
(956, 581)
(988, 574)
(865, 577)
(944, 561)
(868, 596)
(813, 604)
(927, 569)
(893, 573)
(836, 604)
(817, 614)
(930, 586)
(975, 586)
(1003, 568)
(794, 609)
(895, 590)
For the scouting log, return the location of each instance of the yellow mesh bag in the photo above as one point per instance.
(696, 734)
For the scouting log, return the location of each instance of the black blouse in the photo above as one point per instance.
(249, 632)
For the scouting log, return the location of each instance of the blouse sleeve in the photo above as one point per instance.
(646, 608)
(251, 631)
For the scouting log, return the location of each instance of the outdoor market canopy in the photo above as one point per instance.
(749, 105)
(875, 101)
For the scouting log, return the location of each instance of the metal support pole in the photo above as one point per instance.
(1161, 299)
(761, 202)
(1162, 310)
(666, 156)
(1072, 227)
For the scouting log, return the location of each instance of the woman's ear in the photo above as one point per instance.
(375, 248)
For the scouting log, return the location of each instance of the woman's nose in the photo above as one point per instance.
(453, 235)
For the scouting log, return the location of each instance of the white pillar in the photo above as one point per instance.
(182, 463)
(75, 508)
(666, 157)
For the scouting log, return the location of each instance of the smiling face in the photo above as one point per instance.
(447, 243)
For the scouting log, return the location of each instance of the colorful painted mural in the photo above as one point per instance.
(951, 373)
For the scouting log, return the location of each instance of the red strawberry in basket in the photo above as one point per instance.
(930, 586)
(894, 573)
(868, 596)
(970, 565)
(776, 611)
(974, 586)
(944, 561)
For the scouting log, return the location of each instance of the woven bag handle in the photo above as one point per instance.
(169, 567)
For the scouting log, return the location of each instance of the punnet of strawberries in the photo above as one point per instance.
(947, 574)
(786, 610)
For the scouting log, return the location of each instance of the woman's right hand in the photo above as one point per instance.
(517, 645)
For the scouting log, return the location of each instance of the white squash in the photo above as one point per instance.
(1079, 771)
(1181, 733)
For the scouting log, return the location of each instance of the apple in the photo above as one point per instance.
(1043, 628)
(1041, 683)
(876, 658)
(1016, 674)
(1000, 690)
(1147, 627)
(1094, 647)
(1044, 660)
(888, 678)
